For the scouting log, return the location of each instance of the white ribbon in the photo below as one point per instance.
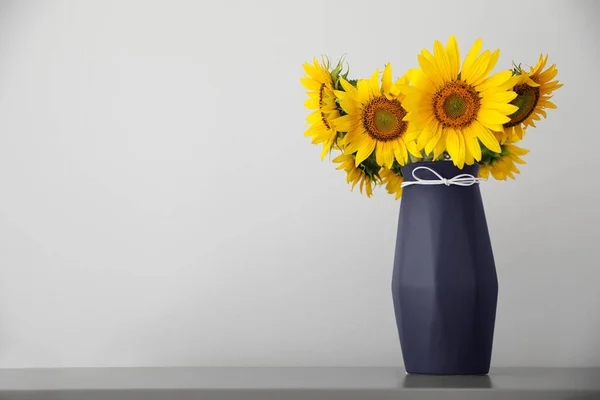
(458, 180)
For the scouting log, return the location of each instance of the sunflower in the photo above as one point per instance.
(454, 109)
(392, 182)
(319, 83)
(354, 174)
(502, 165)
(534, 90)
(374, 120)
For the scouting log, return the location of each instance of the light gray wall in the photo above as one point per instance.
(159, 204)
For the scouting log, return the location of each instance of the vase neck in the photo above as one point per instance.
(445, 169)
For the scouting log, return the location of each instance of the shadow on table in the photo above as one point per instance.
(418, 381)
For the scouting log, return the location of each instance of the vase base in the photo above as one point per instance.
(446, 381)
(448, 373)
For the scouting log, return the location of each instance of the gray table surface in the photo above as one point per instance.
(295, 384)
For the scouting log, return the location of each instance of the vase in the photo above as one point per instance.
(444, 283)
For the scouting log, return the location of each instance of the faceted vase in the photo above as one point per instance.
(444, 282)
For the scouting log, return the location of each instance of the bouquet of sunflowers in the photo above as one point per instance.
(440, 111)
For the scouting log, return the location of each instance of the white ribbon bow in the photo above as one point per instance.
(458, 180)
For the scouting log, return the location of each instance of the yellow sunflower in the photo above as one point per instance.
(354, 174)
(392, 182)
(374, 120)
(319, 84)
(503, 165)
(534, 90)
(453, 108)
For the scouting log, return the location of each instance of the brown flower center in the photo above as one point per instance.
(321, 102)
(382, 119)
(456, 104)
(321, 95)
(527, 98)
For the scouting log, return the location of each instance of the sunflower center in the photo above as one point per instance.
(324, 119)
(385, 120)
(456, 104)
(321, 102)
(382, 119)
(527, 98)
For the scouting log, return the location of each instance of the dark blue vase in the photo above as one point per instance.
(444, 284)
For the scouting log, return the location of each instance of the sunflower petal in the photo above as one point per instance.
(363, 94)
(412, 149)
(310, 70)
(365, 150)
(502, 108)
(441, 146)
(501, 97)
(486, 137)
(470, 58)
(540, 65)
(310, 84)
(384, 154)
(432, 143)
(492, 119)
(374, 90)
(442, 61)
(472, 144)
(428, 66)
(453, 146)
(519, 131)
(419, 79)
(475, 74)
(348, 87)
(461, 150)
(492, 63)
(453, 56)
(494, 81)
(386, 79)
(400, 152)
(484, 172)
(345, 123)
